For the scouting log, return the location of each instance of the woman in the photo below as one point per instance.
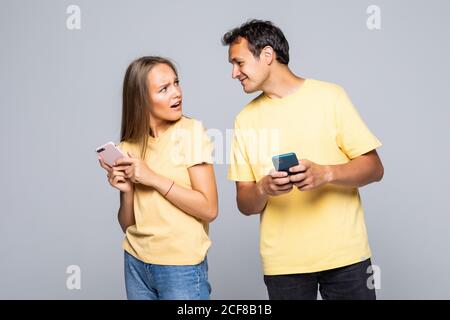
(167, 187)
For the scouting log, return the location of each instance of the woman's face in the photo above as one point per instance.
(165, 93)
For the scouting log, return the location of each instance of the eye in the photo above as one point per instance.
(163, 90)
(177, 83)
(240, 63)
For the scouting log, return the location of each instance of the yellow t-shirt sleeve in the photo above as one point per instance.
(352, 135)
(198, 147)
(239, 168)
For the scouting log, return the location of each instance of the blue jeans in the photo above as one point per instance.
(345, 283)
(144, 281)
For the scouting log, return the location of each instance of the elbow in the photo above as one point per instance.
(380, 173)
(211, 214)
(124, 226)
(245, 210)
(124, 223)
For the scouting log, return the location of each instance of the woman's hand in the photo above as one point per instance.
(136, 170)
(116, 178)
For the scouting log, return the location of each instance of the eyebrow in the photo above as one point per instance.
(166, 84)
(235, 59)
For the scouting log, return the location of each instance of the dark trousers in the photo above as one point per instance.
(345, 283)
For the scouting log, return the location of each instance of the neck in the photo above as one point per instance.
(158, 126)
(281, 82)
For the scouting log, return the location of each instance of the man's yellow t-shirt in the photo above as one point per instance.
(164, 234)
(305, 231)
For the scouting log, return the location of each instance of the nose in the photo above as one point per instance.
(235, 73)
(177, 92)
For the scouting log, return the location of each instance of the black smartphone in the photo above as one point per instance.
(283, 162)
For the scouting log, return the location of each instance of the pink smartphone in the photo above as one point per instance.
(109, 153)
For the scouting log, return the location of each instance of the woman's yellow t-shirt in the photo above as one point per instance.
(164, 234)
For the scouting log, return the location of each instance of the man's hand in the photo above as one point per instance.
(309, 175)
(275, 183)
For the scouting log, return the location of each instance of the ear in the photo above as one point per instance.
(268, 55)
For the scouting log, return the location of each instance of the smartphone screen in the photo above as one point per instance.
(285, 161)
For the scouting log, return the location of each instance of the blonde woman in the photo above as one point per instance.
(167, 186)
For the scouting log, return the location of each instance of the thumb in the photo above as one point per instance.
(306, 163)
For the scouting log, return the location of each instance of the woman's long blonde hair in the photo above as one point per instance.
(136, 100)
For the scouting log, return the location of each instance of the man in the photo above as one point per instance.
(313, 234)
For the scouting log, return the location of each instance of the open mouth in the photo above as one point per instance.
(176, 105)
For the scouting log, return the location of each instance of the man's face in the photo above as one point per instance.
(250, 71)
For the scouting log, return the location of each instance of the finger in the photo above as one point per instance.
(307, 187)
(104, 165)
(297, 177)
(116, 173)
(277, 174)
(121, 168)
(118, 179)
(123, 161)
(286, 187)
(303, 184)
(306, 163)
(281, 192)
(128, 171)
(130, 177)
(281, 181)
(298, 168)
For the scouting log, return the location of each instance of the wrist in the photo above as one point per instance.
(330, 174)
(162, 184)
(260, 189)
(158, 182)
(151, 179)
(127, 194)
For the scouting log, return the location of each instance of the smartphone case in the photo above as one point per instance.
(109, 153)
(283, 162)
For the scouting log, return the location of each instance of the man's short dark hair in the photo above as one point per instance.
(260, 34)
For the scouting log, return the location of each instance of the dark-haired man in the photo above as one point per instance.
(312, 232)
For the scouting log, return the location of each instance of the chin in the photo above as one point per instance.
(249, 90)
(176, 116)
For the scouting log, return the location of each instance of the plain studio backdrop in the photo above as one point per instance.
(61, 97)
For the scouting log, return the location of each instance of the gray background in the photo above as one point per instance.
(60, 98)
